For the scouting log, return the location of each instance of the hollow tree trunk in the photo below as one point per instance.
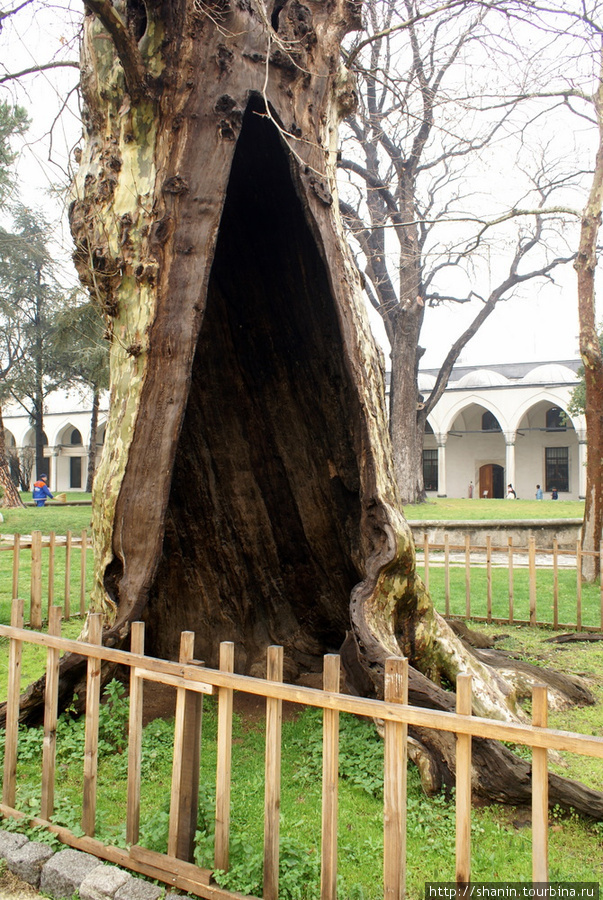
(245, 490)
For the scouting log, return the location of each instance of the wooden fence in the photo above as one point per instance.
(461, 560)
(192, 680)
(52, 568)
(55, 572)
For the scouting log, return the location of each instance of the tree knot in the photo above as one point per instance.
(175, 185)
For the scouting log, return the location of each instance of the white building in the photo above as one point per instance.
(493, 426)
(67, 421)
(505, 424)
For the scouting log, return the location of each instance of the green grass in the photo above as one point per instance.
(501, 846)
(59, 519)
(567, 594)
(33, 659)
(445, 508)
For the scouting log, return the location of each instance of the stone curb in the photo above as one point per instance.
(63, 873)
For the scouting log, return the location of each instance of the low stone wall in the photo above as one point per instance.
(567, 532)
(59, 875)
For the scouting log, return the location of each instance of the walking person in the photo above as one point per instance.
(41, 492)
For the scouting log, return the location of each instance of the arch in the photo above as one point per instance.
(546, 397)
(30, 438)
(69, 435)
(485, 403)
(9, 440)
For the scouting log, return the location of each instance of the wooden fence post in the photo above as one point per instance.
(394, 787)
(11, 736)
(426, 560)
(16, 564)
(135, 738)
(555, 583)
(35, 607)
(67, 606)
(51, 695)
(601, 581)
(330, 777)
(463, 785)
(532, 576)
(578, 586)
(95, 633)
(51, 562)
(489, 578)
(187, 756)
(272, 798)
(447, 572)
(224, 762)
(83, 573)
(511, 586)
(468, 576)
(540, 790)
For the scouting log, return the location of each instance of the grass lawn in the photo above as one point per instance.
(59, 518)
(500, 835)
(444, 508)
(566, 601)
(501, 847)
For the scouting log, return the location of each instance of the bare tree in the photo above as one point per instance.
(413, 157)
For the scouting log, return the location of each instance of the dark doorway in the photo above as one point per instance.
(492, 481)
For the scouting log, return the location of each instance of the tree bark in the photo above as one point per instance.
(92, 443)
(592, 358)
(11, 498)
(246, 490)
(406, 417)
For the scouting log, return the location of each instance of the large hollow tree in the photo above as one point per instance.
(246, 489)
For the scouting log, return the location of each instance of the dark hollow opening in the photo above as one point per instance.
(262, 529)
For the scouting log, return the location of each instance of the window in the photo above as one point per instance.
(75, 472)
(430, 470)
(76, 437)
(556, 468)
(490, 422)
(555, 419)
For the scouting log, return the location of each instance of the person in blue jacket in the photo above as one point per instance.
(41, 492)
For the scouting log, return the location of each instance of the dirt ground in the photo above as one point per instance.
(12, 888)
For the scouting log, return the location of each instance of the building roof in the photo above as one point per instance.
(546, 372)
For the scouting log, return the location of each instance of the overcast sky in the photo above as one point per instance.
(541, 325)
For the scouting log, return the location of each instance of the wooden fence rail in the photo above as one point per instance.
(192, 679)
(503, 567)
(45, 586)
(512, 590)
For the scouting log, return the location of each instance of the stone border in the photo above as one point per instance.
(60, 874)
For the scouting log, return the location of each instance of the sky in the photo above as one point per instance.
(541, 325)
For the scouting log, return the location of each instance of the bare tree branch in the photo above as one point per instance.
(54, 64)
(127, 49)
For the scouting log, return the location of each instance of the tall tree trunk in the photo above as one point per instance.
(245, 490)
(93, 436)
(406, 424)
(11, 497)
(38, 398)
(592, 359)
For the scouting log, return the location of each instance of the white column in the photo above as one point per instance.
(509, 459)
(582, 451)
(441, 439)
